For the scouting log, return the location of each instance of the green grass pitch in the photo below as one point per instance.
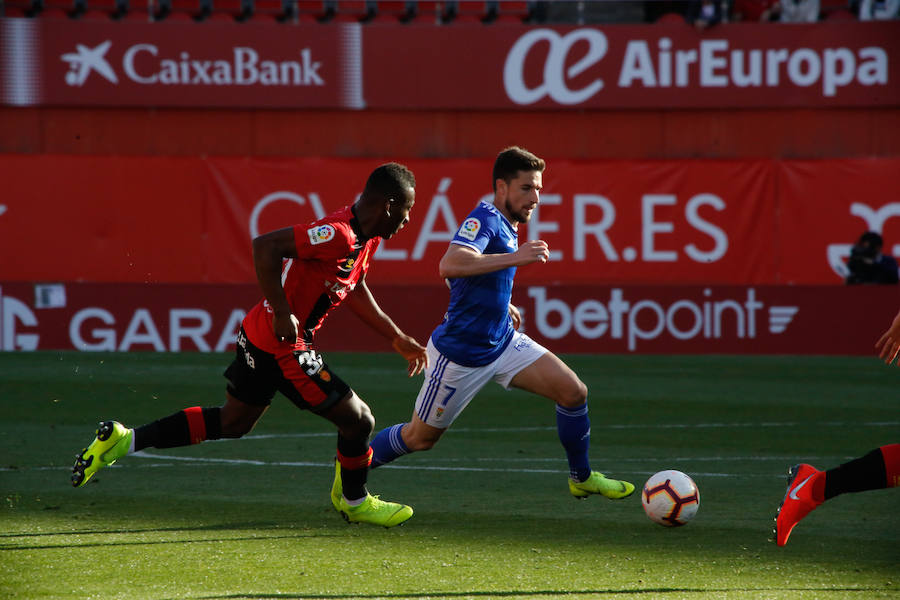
(251, 518)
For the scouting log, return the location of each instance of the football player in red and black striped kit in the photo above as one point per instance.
(304, 271)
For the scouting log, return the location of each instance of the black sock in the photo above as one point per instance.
(860, 474)
(355, 457)
(180, 429)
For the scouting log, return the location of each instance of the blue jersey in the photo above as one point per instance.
(477, 327)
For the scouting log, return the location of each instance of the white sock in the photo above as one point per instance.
(356, 502)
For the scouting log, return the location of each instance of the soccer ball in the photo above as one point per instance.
(670, 498)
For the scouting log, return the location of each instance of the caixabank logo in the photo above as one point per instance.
(149, 64)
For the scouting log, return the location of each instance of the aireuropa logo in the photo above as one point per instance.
(707, 63)
(147, 64)
(13, 314)
(86, 60)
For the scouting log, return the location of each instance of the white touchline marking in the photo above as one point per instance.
(330, 465)
(595, 428)
(431, 466)
(168, 460)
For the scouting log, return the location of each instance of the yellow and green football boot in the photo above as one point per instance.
(337, 491)
(598, 483)
(110, 444)
(376, 511)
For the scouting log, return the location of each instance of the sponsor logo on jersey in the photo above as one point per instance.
(320, 234)
(469, 229)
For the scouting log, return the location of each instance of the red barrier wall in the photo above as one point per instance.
(589, 319)
(608, 134)
(190, 220)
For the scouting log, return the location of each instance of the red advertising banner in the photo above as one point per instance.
(190, 220)
(354, 66)
(103, 63)
(567, 318)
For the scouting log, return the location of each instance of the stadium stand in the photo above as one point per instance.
(438, 12)
(466, 11)
(105, 9)
(393, 11)
(230, 10)
(348, 11)
(427, 11)
(282, 11)
(509, 11)
(18, 8)
(310, 11)
(178, 10)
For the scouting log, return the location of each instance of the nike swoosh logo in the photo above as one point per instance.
(793, 494)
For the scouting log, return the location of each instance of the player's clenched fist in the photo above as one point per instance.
(533, 251)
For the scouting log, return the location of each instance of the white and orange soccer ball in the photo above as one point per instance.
(670, 498)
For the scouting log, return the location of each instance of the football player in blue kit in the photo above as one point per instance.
(478, 339)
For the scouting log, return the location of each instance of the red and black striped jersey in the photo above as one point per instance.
(332, 256)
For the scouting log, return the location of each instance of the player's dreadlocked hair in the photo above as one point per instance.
(390, 180)
(512, 160)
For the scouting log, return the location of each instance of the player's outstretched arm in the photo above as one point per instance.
(888, 345)
(268, 251)
(462, 261)
(363, 304)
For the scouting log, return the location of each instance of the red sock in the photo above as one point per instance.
(818, 488)
(891, 454)
(196, 424)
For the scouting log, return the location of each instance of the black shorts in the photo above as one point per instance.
(255, 375)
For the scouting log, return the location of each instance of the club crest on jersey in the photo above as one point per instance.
(320, 234)
(469, 229)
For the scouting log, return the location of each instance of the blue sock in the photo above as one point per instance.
(574, 428)
(387, 445)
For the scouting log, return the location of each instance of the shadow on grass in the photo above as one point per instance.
(305, 533)
(529, 593)
(220, 527)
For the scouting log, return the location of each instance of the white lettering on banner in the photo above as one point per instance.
(582, 227)
(710, 64)
(13, 313)
(647, 319)
(555, 71)
(178, 330)
(837, 254)
(536, 227)
(246, 67)
(268, 199)
(585, 230)
(142, 330)
(439, 203)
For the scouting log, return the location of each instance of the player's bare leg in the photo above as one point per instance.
(550, 377)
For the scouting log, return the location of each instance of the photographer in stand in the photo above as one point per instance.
(867, 264)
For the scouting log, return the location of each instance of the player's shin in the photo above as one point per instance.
(574, 428)
(183, 428)
(354, 456)
(876, 470)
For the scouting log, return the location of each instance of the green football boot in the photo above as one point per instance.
(597, 483)
(337, 491)
(376, 511)
(112, 443)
